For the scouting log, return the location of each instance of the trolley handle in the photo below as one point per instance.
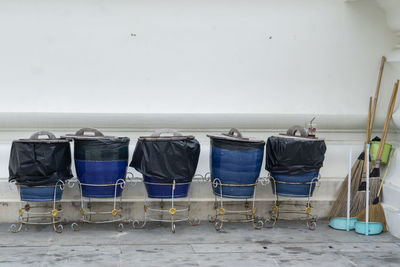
(49, 135)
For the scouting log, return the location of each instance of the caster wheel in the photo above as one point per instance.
(312, 225)
(269, 223)
(120, 227)
(218, 226)
(59, 228)
(75, 227)
(195, 222)
(258, 224)
(211, 219)
(173, 228)
(14, 228)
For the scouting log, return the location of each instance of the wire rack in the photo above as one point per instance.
(87, 207)
(167, 210)
(281, 205)
(224, 210)
(30, 212)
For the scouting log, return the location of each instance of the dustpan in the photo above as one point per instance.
(345, 223)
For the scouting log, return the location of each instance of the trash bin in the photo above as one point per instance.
(163, 159)
(100, 161)
(235, 162)
(294, 163)
(38, 164)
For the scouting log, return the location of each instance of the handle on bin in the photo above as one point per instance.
(50, 135)
(234, 133)
(82, 132)
(158, 133)
(292, 131)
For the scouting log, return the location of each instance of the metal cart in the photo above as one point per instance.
(30, 214)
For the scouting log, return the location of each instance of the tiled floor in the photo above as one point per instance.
(288, 244)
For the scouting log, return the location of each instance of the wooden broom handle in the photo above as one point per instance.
(386, 173)
(378, 87)
(368, 135)
(388, 118)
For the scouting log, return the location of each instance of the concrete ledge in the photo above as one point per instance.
(330, 122)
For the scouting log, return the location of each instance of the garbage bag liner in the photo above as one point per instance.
(167, 158)
(294, 155)
(35, 162)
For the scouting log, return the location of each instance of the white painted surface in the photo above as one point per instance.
(279, 57)
(131, 66)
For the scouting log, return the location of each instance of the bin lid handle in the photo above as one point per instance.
(158, 133)
(235, 133)
(36, 135)
(95, 132)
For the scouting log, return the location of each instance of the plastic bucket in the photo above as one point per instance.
(160, 189)
(297, 185)
(101, 173)
(374, 151)
(39, 193)
(374, 228)
(238, 169)
(340, 223)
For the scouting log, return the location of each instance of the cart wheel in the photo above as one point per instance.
(75, 227)
(120, 227)
(15, 229)
(218, 225)
(173, 228)
(211, 219)
(194, 222)
(312, 224)
(269, 223)
(137, 225)
(59, 228)
(258, 224)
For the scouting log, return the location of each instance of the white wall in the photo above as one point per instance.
(224, 56)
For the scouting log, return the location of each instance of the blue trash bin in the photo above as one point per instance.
(235, 162)
(101, 162)
(40, 193)
(159, 189)
(163, 159)
(297, 185)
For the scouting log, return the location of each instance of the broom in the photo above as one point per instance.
(359, 198)
(339, 206)
(376, 170)
(376, 212)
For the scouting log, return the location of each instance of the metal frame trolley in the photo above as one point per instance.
(167, 211)
(28, 214)
(88, 213)
(280, 206)
(223, 209)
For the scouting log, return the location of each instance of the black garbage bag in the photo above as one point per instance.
(294, 155)
(35, 161)
(167, 158)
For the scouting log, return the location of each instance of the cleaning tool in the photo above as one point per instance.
(339, 206)
(378, 86)
(359, 197)
(367, 227)
(376, 212)
(341, 223)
